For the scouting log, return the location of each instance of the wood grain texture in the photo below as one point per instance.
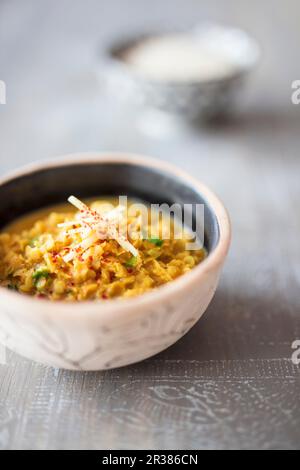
(230, 382)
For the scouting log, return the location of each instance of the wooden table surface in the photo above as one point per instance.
(230, 382)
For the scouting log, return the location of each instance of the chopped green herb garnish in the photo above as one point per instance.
(155, 241)
(32, 242)
(131, 262)
(39, 274)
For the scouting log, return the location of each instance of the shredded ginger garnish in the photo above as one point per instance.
(94, 226)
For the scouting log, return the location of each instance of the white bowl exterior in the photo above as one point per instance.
(130, 335)
(113, 333)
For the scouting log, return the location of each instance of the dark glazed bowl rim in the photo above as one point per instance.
(214, 260)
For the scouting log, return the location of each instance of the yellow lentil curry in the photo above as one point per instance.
(43, 255)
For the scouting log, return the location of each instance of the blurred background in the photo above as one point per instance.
(57, 103)
(49, 59)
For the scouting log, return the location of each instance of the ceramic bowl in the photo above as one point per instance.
(185, 99)
(98, 335)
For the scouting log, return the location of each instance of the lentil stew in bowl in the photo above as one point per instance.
(61, 253)
(82, 330)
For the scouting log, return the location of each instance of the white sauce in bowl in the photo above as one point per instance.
(208, 54)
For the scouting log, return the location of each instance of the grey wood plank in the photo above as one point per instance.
(224, 404)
